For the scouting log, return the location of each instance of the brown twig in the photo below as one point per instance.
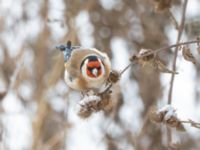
(155, 52)
(111, 84)
(175, 45)
(169, 47)
(106, 90)
(180, 31)
(161, 49)
(129, 65)
(192, 123)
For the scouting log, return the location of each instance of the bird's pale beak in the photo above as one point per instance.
(95, 72)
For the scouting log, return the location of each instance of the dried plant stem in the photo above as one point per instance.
(180, 31)
(173, 19)
(174, 45)
(129, 65)
(162, 49)
(106, 90)
(192, 123)
(110, 85)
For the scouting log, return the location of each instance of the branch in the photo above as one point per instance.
(161, 49)
(192, 123)
(180, 31)
(175, 45)
(129, 65)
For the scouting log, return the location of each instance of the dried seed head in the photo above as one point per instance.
(84, 112)
(106, 103)
(88, 105)
(162, 5)
(154, 116)
(180, 127)
(166, 115)
(114, 76)
(133, 58)
(172, 121)
(146, 57)
(159, 66)
(187, 55)
(94, 103)
(146, 54)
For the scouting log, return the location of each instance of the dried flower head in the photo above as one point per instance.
(162, 5)
(114, 76)
(146, 57)
(143, 57)
(166, 115)
(188, 55)
(154, 116)
(87, 105)
(146, 54)
(84, 112)
(94, 103)
(159, 66)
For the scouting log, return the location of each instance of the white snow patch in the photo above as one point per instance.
(85, 29)
(11, 103)
(120, 57)
(17, 131)
(86, 99)
(26, 90)
(58, 104)
(169, 112)
(111, 4)
(88, 132)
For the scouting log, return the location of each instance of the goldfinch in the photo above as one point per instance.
(85, 68)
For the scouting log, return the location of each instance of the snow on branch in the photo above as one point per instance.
(168, 115)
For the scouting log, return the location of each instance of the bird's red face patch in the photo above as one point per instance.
(94, 69)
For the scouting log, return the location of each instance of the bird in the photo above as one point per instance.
(85, 68)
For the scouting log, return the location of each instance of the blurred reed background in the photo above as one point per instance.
(38, 111)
